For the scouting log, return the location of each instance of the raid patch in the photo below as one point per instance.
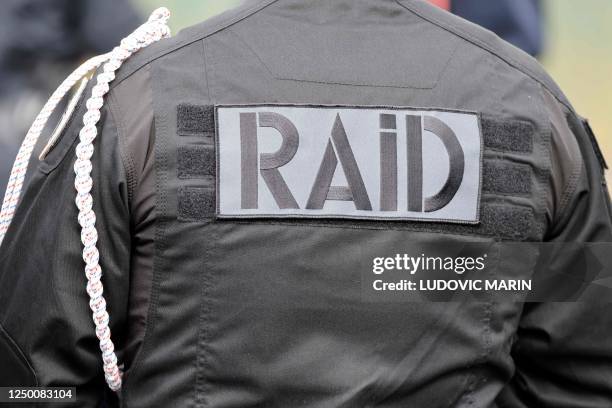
(348, 162)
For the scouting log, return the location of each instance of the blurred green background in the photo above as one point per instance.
(579, 57)
(578, 53)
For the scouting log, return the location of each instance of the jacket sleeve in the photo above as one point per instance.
(47, 336)
(563, 352)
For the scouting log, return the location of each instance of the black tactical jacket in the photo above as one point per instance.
(232, 286)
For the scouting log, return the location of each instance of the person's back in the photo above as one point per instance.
(247, 175)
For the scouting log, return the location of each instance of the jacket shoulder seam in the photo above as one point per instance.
(457, 31)
(195, 38)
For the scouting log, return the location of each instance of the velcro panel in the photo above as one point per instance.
(507, 178)
(508, 135)
(195, 120)
(508, 222)
(196, 203)
(196, 162)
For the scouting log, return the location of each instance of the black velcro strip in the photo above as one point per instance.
(195, 120)
(508, 222)
(509, 136)
(196, 162)
(196, 204)
(506, 178)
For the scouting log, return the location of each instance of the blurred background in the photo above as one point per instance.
(572, 39)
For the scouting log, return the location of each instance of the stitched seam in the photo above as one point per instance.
(126, 158)
(161, 244)
(443, 72)
(474, 380)
(195, 134)
(321, 82)
(487, 321)
(347, 83)
(543, 173)
(201, 388)
(206, 73)
(569, 192)
(263, 64)
(312, 81)
(188, 41)
(348, 106)
(201, 361)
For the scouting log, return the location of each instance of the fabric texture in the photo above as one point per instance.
(225, 313)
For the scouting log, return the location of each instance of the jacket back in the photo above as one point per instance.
(296, 143)
(269, 311)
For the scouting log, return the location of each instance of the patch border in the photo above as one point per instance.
(218, 215)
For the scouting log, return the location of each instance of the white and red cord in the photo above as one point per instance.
(152, 31)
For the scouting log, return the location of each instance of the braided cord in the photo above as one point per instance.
(152, 31)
